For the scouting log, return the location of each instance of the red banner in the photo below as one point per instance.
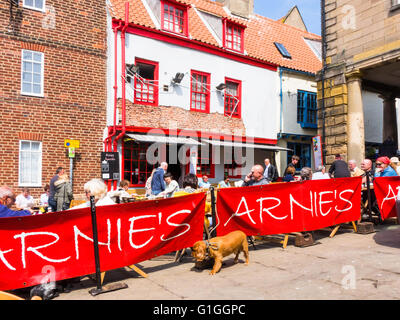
(55, 246)
(386, 189)
(288, 207)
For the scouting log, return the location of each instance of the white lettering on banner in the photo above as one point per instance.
(4, 260)
(77, 233)
(317, 201)
(177, 225)
(267, 210)
(132, 231)
(323, 202)
(391, 195)
(119, 234)
(23, 235)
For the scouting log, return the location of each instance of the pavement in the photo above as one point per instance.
(349, 266)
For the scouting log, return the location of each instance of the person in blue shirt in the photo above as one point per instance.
(383, 168)
(203, 183)
(7, 199)
(158, 183)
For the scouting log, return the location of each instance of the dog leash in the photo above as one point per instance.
(211, 245)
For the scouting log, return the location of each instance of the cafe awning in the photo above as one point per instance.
(244, 145)
(163, 139)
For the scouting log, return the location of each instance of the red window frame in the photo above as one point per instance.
(144, 88)
(205, 165)
(129, 160)
(200, 93)
(233, 36)
(174, 9)
(230, 99)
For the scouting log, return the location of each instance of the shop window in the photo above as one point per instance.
(233, 168)
(205, 165)
(303, 151)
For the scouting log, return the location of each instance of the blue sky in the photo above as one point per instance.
(276, 9)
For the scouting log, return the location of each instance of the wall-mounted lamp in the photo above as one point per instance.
(132, 69)
(178, 78)
(221, 86)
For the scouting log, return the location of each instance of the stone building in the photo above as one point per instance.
(362, 56)
(53, 87)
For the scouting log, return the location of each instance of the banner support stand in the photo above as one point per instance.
(213, 213)
(338, 226)
(99, 275)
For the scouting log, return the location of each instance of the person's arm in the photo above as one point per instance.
(8, 213)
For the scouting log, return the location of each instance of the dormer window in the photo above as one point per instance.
(233, 36)
(174, 17)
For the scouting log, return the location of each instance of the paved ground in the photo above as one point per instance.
(348, 266)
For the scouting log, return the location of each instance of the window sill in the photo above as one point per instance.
(43, 10)
(32, 95)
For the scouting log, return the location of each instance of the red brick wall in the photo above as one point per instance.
(74, 102)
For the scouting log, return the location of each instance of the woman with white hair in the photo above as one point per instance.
(98, 189)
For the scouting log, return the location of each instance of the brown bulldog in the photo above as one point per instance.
(220, 247)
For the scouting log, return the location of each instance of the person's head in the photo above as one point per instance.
(205, 178)
(46, 188)
(191, 181)
(291, 171)
(382, 163)
(395, 161)
(306, 173)
(164, 166)
(168, 177)
(321, 168)
(60, 171)
(366, 165)
(124, 184)
(267, 162)
(352, 164)
(226, 179)
(7, 196)
(295, 160)
(257, 172)
(96, 188)
(25, 192)
(338, 157)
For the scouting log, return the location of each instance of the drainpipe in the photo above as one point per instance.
(123, 76)
(323, 35)
(281, 101)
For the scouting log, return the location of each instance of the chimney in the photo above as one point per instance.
(242, 8)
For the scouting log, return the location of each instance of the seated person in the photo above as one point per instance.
(24, 200)
(121, 194)
(306, 173)
(255, 177)
(98, 189)
(44, 197)
(171, 186)
(7, 199)
(320, 174)
(203, 183)
(383, 168)
(290, 172)
(190, 183)
(224, 183)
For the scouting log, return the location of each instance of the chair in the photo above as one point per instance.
(76, 203)
(10, 296)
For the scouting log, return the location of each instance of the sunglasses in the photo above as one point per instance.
(378, 164)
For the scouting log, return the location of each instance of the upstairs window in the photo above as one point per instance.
(146, 82)
(233, 36)
(34, 4)
(232, 100)
(174, 17)
(199, 91)
(307, 109)
(32, 69)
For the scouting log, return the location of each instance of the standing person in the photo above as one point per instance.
(354, 170)
(52, 201)
(320, 173)
(383, 168)
(255, 177)
(171, 186)
(203, 183)
(271, 173)
(148, 183)
(339, 168)
(24, 200)
(7, 199)
(293, 163)
(158, 183)
(63, 194)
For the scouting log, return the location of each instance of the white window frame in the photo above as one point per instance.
(41, 94)
(43, 9)
(30, 184)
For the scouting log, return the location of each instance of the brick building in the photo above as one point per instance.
(53, 87)
(362, 57)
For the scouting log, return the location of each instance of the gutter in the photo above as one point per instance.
(324, 48)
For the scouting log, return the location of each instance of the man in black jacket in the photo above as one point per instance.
(339, 168)
(270, 173)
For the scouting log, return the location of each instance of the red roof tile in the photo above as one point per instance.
(260, 34)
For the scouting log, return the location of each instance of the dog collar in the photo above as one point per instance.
(211, 245)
